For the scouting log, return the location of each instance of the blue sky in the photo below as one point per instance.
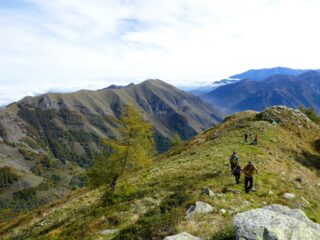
(66, 45)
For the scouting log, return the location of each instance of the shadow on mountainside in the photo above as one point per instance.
(309, 160)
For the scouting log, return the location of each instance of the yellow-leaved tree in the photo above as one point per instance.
(176, 140)
(131, 152)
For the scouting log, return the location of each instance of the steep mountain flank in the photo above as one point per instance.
(48, 138)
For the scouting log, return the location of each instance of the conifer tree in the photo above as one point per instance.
(176, 140)
(133, 151)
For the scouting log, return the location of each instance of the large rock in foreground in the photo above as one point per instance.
(275, 222)
(182, 236)
(199, 208)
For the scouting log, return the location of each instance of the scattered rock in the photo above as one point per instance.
(199, 208)
(207, 191)
(285, 115)
(289, 195)
(109, 231)
(234, 191)
(275, 222)
(299, 179)
(270, 192)
(264, 203)
(223, 211)
(182, 236)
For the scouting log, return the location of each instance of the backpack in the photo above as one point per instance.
(237, 170)
(234, 159)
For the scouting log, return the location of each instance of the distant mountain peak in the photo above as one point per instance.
(264, 73)
(113, 86)
(310, 74)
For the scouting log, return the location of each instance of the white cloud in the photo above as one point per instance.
(72, 44)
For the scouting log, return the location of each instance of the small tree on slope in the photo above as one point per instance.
(133, 151)
(176, 140)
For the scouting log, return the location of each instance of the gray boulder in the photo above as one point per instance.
(182, 236)
(275, 222)
(207, 191)
(199, 208)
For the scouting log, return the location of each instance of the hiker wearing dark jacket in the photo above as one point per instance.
(246, 136)
(248, 171)
(237, 173)
(234, 161)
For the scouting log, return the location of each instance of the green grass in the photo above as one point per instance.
(155, 204)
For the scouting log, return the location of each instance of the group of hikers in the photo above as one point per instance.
(248, 170)
(254, 141)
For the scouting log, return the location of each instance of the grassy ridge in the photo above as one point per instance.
(155, 204)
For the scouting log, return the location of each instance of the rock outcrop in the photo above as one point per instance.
(275, 222)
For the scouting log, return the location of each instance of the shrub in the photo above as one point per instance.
(174, 200)
(153, 226)
(6, 178)
(227, 233)
(110, 198)
(317, 145)
(25, 194)
(158, 222)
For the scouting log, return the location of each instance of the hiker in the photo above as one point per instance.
(255, 140)
(248, 171)
(237, 173)
(246, 135)
(234, 161)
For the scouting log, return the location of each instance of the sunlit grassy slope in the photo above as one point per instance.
(154, 205)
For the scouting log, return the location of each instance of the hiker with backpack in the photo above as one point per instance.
(248, 171)
(246, 136)
(234, 161)
(255, 140)
(237, 173)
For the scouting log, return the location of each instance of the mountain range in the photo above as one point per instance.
(288, 90)
(264, 73)
(45, 141)
(253, 74)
